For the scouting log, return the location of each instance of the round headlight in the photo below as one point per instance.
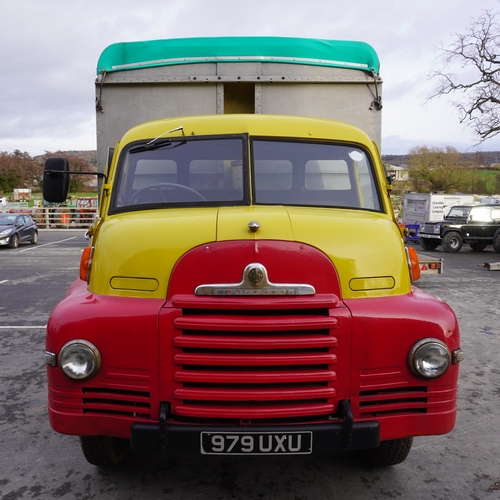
(79, 359)
(429, 358)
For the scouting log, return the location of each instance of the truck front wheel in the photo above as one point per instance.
(390, 452)
(104, 451)
(452, 242)
(428, 244)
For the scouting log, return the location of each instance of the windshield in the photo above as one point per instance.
(461, 212)
(183, 172)
(7, 220)
(313, 174)
(214, 171)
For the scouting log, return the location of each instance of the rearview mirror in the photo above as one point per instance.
(56, 179)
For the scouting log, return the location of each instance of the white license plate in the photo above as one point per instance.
(256, 443)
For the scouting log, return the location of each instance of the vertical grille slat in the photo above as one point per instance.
(116, 402)
(401, 400)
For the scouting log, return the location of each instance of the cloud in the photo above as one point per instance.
(49, 51)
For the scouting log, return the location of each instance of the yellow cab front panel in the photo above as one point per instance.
(248, 278)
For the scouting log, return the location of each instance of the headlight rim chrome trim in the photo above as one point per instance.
(94, 351)
(417, 347)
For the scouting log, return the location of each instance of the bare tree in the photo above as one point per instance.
(477, 87)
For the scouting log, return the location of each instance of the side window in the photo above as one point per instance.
(495, 214)
(480, 214)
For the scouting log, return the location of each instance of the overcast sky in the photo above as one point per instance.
(49, 51)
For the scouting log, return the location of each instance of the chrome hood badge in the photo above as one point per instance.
(255, 282)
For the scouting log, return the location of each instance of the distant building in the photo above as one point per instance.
(399, 173)
(21, 194)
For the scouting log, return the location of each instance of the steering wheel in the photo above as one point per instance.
(158, 189)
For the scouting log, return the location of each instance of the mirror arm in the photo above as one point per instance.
(53, 173)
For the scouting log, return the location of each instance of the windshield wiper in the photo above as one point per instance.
(149, 146)
(155, 143)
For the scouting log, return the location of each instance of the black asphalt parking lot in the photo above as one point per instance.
(35, 462)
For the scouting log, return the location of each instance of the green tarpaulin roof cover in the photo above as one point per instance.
(311, 51)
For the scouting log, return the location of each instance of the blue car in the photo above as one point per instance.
(17, 228)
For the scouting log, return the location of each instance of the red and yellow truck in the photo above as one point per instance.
(246, 288)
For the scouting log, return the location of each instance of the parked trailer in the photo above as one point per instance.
(430, 265)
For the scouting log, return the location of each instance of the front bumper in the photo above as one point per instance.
(429, 236)
(344, 434)
(183, 438)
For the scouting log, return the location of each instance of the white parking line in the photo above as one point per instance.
(46, 244)
(21, 327)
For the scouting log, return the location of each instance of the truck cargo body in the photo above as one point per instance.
(419, 208)
(229, 302)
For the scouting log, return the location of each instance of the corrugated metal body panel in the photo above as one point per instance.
(342, 102)
(124, 106)
(127, 98)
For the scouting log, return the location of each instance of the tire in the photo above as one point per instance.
(496, 243)
(14, 242)
(104, 451)
(428, 244)
(477, 246)
(452, 242)
(34, 238)
(391, 452)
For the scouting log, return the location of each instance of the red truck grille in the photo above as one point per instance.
(405, 400)
(116, 402)
(254, 364)
(377, 403)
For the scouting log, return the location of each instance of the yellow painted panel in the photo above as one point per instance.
(147, 243)
(359, 243)
(233, 223)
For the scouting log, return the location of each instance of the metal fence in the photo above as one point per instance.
(63, 217)
(80, 213)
